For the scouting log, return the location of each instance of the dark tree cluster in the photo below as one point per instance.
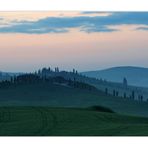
(132, 95)
(34, 78)
(74, 71)
(5, 84)
(26, 78)
(44, 72)
(59, 80)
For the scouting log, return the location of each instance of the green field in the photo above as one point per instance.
(56, 110)
(44, 121)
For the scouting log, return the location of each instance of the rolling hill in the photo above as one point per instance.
(34, 106)
(47, 121)
(59, 95)
(136, 76)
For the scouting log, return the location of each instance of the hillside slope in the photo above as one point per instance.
(53, 95)
(137, 76)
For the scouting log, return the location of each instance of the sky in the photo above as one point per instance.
(81, 40)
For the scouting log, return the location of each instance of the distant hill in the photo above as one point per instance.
(136, 76)
(57, 91)
(115, 88)
(7, 75)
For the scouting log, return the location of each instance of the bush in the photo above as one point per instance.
(101, 109)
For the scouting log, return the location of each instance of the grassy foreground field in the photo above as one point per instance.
(45, 121)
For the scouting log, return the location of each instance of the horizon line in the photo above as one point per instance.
(81, 71)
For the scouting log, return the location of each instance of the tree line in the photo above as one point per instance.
(125, 95)
(34, 78)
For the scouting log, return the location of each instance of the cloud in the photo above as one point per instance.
(95, 13)
(142, 28)
(91, 12)
(85, 23)
(55, 25)
(97, 29)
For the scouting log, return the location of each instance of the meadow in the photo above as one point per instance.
(53, 109)
(46, 121)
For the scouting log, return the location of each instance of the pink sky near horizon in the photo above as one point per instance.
(84, 51)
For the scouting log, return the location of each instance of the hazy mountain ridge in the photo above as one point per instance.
(112, 88)
(7, 75)
(137, 76)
